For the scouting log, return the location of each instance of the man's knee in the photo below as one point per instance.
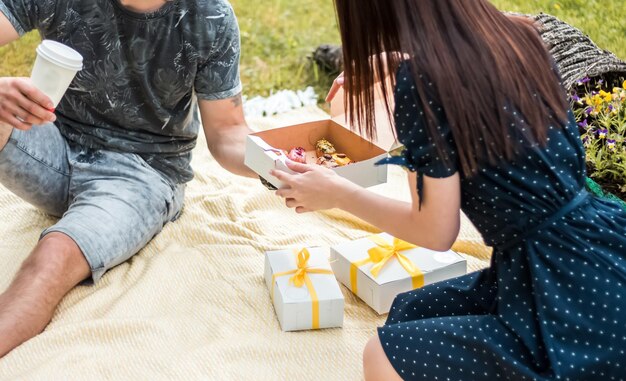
(57, 258)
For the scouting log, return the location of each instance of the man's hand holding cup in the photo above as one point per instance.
(25, 102)
(22, 105)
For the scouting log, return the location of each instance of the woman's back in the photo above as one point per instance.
(559, 261)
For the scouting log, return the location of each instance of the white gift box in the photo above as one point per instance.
(264, 149)
(353, 266)
(296, 306)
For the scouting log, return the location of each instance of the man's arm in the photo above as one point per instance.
(7, 31)
(7, 34)
(226, 129)
(21, 104)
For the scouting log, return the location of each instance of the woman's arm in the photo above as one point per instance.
(434, 226)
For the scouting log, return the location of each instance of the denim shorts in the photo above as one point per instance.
(110, 203)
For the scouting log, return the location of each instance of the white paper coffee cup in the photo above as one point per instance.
(55, 68)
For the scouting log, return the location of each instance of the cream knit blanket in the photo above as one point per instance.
(193, 305)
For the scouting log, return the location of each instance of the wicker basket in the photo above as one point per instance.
(576, 55)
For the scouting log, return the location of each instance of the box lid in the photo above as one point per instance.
(385, 132)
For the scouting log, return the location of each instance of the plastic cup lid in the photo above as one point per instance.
(61, 55)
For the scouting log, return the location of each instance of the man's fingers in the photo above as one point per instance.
(24, 116)
(33, 101)
(298, 167)
(302, 209)
(12, 121)
(35, 94)
(20, 125)
(41, 114)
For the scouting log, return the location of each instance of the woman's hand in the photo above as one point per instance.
(337, 84)
(22, 105)
(384, 59)
(313, 187)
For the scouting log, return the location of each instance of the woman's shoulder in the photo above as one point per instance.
(405, 81)
(406, 88)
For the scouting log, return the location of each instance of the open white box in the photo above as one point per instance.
(379, 292)
(294, 305)
(263, 148)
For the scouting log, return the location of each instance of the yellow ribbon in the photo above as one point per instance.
(381, 254)
(301, 278)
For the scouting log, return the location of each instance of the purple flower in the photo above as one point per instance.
(586, 80)
(602, 133)
(584, 124)
(588, 110)
(600, 82)
(611, 144)
(576, 98)
(610, 107)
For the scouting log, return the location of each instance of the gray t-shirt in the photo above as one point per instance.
(142, 72)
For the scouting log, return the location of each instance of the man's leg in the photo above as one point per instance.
(34, 166)
(54, 267)
(5, 134)
(119, 203)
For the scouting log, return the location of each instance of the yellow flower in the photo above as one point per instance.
(624, 85)
(606, 96)
(557, 6)
(597, 100)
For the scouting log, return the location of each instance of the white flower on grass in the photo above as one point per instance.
(280, 102)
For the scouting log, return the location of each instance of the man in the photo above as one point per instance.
(113, 158)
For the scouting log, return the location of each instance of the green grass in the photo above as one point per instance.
(279, 35)
(17, 58)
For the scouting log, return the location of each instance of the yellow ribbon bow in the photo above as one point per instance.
(380, 256)
(301, 278)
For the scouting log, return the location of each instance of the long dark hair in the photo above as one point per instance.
(481, 64)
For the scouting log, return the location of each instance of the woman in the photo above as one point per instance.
(487, 129)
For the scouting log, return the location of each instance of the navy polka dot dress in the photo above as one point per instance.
(552, 306)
